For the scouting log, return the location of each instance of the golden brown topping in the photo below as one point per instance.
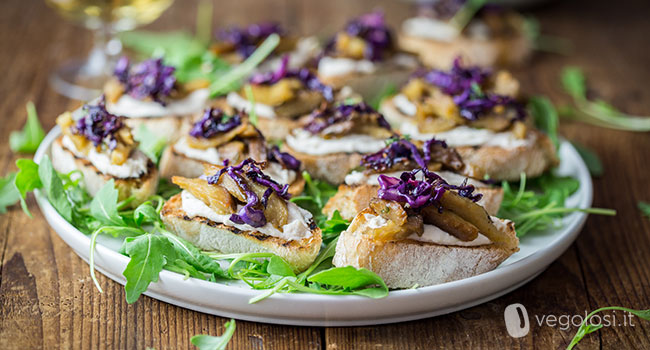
(519, 129)
(350, 46)
(113, 90)
(464, 96)
(477, 216)
(389, 210)
(276, 94)
(451, 223)
(238, 186)
(215, 197)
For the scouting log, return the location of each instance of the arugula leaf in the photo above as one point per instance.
(115, 231)
(541, 207)
(192, 255)
(167, 189)
(176, 46)
(277, 266)
(26, 180)
(187, 54)
(333, 227)
(598, 112)
(545, 42)
(208, 342)
(465, 14)
(150, 144)
(149, 254)
(76, 193)
(231, 80)
(325, 253)
(315, 196)
(586, 327)
(182, 267)
(358, 281)
(546, 118)
(387, 91)
(645, 208)
(573, 82)
(9, 194)
(104, 206)
(27, 140)
(145, 213)
(591, 159)
(53, 187)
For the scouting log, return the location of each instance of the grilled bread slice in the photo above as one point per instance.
(485, 53)
(350, 200)
(508, 163)
(142, 187)
(407, 263)
(498, 163)
(173, 163)
(209, 235)
(276, 128)
(510, 50)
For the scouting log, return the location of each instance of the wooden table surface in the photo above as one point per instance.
(47, 299)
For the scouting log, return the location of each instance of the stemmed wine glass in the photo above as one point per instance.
(83, 79)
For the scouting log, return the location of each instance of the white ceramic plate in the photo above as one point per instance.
(538, 250)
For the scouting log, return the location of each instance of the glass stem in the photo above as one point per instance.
(103, 55)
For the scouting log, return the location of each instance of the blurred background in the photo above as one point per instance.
(63, 42)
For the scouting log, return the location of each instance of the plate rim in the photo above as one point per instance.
(540, 258)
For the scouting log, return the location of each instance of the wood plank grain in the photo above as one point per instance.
(613, 252)
(48, 301)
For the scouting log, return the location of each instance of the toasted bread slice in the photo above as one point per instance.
(276, 128)
(173, 163)
(502, 51)
(407, 263)
(331, 167)
(209, 235)
(64, 161)
(508, 163)
(497, 162)
(350, 200)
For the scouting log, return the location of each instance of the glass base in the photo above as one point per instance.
(74, 80)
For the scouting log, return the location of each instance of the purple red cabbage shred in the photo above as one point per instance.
(246, 39)
(250, 213)
(309, 79)
(285, 159)
(417, 194)
(214, 121)
(99, 125)
(320, 119)
(147, 79)
(372, 28)
(464, 85)
(398, 151)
